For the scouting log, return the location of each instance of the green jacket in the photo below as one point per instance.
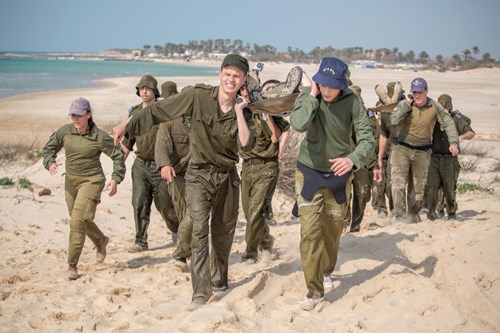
(214, 135)
(83, 152)
(329, 127)
(264, 148)
(172, 145)
(417, 123)
(145, 143)
(387, 131)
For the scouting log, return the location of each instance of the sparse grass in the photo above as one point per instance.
(25, 183)
(6, 181)
(469, 164)
(15, 152)
(475, 150)
(467, 187)
(497, 167)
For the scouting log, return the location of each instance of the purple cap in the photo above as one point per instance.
(418, 85)
(79, 106)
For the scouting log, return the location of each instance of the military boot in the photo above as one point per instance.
(382, 94)
(398, 91)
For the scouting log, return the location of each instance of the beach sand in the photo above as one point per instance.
(427, 277)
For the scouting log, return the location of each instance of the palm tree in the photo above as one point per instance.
(237, 45)
(410, 56)
(423, 57)
(158, 49)
(395, 53)
(466, 54)
(458, 60)
(486, 58)
(475, 50)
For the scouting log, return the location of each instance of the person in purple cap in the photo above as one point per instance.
(414, 120)
(84, 180)
(328, 112)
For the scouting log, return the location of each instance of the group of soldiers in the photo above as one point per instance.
(188, 145)
(427, 180)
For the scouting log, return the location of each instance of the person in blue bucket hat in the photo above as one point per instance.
(330, 114)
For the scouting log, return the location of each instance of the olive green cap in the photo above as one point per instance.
(168, 88)
(150, 82)
(237, 61)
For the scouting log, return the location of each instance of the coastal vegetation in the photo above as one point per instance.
(206, 49)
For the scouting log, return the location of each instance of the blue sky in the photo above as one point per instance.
(441, 27)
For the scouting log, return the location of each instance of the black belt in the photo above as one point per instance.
(448, 155)
(148, 163)
(213, 167)
(397, 141)
(257, 160)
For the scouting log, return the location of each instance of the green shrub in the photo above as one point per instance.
(26, 183)
(467, 187)
(6, 181)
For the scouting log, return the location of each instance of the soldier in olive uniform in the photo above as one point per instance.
(147, 184)
(84, 181)
(411, 151)
(259, 174)
(382, 176)
(172, 154)
(219, 128)
(328, 113)
(444, 167)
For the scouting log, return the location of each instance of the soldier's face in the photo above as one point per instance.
(81, 123)
(147, 94)
(419, 98)
(231, 79)
(328, 94)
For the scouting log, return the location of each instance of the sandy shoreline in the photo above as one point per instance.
(426, 277)
(476, 93)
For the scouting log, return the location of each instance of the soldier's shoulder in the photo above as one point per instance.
(203, 86)
(459, 116)
(134, 108)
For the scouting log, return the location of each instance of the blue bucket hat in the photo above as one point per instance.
(332, 73)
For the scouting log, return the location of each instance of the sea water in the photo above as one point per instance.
(27, 74)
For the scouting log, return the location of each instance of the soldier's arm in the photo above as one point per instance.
(402, 111)
(116, 154)
(447, 124)
(163, 146)
(365, 141)
(164, 110)
(465, 132)
(51, 148)
(304, 110)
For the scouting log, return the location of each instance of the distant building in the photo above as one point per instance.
(136, 53)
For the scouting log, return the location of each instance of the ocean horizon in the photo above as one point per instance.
(30, 73)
